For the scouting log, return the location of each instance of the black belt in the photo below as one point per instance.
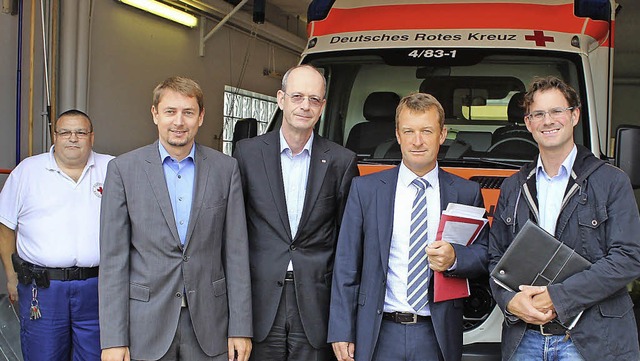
(72, 273)
(404, 317)
(28, 272)
(289, 276)
(548, 329)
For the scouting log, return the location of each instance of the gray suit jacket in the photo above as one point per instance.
(145, 270)
(271, 243)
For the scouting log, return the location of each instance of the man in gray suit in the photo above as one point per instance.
(296, 186)
(174, 282)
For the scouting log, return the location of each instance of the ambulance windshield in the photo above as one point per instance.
(480, 90)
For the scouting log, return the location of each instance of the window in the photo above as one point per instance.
(240, 104)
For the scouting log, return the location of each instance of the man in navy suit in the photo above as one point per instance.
(382, 304)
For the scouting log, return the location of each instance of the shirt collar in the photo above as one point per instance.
(164, 154)
(53, 165)
(406, 176)
(284, 146)
(565, 167)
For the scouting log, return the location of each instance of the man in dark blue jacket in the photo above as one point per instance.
(587, 204)
(382, 299)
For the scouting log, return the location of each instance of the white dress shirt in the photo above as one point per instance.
(396, 292)
(295, 172)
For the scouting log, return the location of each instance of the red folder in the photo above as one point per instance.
(448, 288)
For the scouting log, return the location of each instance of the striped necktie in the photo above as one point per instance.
(418, 270)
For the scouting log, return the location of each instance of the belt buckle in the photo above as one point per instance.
(544, 333)
(414, 319)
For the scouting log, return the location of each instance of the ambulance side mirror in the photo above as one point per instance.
(627, 156)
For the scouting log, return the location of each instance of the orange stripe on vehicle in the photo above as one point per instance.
(558, 18)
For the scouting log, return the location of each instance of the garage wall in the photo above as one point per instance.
(8, 60)
(132, 51)
(626, 73)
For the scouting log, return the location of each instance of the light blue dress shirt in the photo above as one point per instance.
(180, 178)
(295, 172)
(551, 191)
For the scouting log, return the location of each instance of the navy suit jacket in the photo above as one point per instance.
(362, 259)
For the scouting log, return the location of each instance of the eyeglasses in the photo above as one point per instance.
(66, 134)
(297, 98)
(554, 113)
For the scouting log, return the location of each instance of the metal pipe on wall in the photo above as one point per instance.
(32, 38)
(68, 54)
(45, 56)
(55, 17)
(19, 81)
(82, 55)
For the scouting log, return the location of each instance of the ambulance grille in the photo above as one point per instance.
(488, 182)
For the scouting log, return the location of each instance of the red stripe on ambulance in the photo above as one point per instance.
(539, 17)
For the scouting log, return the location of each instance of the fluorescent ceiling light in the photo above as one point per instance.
(164, 11)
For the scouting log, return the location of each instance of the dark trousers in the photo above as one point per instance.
(68, 328)
(415, 342)
(287, 341)
(185, 345)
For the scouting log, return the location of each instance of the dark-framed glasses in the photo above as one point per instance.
(297, 98)
(554, 113)
(66, 134)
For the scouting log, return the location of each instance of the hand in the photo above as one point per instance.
(12, 287)
(542, 301)
(344, 350)
(441, 255)
(115, 354)
(522, 306)
(240, 346)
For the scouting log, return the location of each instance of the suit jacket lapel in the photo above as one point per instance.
(320, 160)
(273, 170)
(202, 169)
(155, 174)
(385, 202)
(447, 191)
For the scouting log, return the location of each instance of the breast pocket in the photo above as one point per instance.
(215, 205)
(211, 217)
(219, 287)
(592, 228)
(325, 202)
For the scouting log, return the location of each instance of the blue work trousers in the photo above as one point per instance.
(68, 328)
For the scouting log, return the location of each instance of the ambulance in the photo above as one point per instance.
(476, 58)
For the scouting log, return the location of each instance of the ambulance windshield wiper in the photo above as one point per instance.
(495, 163)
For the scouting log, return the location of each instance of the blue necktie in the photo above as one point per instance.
(418, 272)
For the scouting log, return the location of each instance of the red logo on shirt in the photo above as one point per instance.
(97, 190)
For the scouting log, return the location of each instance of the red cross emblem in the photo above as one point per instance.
(539, 37)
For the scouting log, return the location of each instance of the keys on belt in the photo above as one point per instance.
(405, 318)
